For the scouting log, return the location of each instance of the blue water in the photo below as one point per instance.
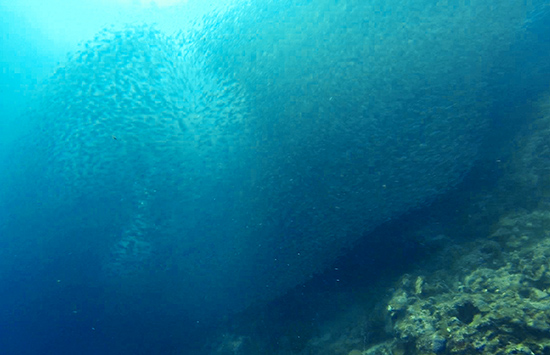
(161, 176)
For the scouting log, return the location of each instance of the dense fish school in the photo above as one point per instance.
(226, 165)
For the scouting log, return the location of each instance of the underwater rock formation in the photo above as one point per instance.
(500, 306)
(266, 142)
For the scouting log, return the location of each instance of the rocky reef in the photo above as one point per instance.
(499, 306)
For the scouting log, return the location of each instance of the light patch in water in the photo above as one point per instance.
(152, 3)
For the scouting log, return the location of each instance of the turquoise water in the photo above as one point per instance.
(173, 171)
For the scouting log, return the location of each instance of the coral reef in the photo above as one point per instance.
(500, 306)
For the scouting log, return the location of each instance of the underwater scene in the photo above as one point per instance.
(278, 177)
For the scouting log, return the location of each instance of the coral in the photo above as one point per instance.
(496, 307)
